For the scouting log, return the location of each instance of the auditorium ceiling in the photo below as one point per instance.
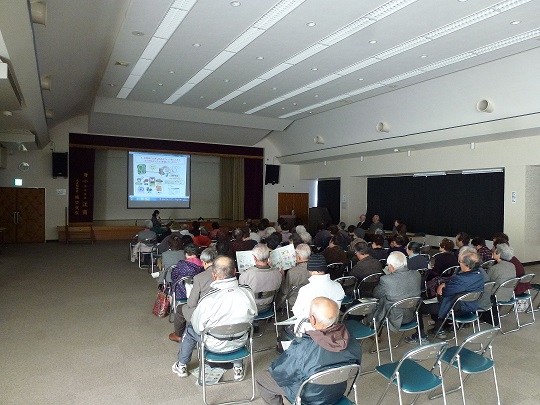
(231, 72)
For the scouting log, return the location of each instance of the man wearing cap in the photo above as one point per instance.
(320, 285)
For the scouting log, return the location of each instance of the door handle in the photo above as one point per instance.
(14, 213)
(18, 217)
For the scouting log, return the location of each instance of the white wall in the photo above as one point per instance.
(289, 182)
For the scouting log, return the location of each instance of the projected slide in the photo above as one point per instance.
(158, 180)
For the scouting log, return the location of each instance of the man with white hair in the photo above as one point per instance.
(327, 345)
(398, 284)
(296, 276)
(262, 277)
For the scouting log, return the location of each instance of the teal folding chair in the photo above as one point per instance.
(463, 318)
(511, 303)
(240, 331)
(349, 284)
(178, 301)
(343, 375)
(264, 316)
(364, 328)
(409, 376)
(471, 358)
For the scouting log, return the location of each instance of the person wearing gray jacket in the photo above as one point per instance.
(399, 284)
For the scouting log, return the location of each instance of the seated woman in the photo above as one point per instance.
(398, 245)
(334, 253)
(158, 226)
(444, 260)
(376, 250)
(170, 258)
(189, 267)
(415, 261)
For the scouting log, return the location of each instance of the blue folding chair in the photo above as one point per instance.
(527, 296)
(411, 377)
(471, 358)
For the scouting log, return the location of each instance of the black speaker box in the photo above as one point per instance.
(272, 174)
(60, 164)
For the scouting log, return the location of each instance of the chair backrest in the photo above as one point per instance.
(366, 309)
(228, 332)
(509, 284)
(469, 297)
(266, 294)
(424, 352)
(527, 278)
(478, 342)
(490, 287)
(406, 303)
(183, 280)
(347, 281)
(149, 241)
(487, 264)
(383, 262)
(425, 249)
(450, 271)
(335, 270)
(332, 376)
(371, 279)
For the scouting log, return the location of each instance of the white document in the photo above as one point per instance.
(283, 257)
(244, 260)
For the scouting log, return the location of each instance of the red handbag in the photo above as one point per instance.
(162, 305)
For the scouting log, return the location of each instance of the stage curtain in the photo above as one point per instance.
(232, 188)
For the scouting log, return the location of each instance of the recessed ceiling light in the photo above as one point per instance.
(160, 84)
(171, 72)
(196, 45)
(244, 103)
(235, 3)
(311, 24)
(282, 108)
(314, 69)
(396, 150)
(423, 56)
(515, 22)
(294, 103)
(361, 78)
(372, 42)
(112, 84)
(311, 112)
(226, 80)
(462, 1)
(260, 57)
(153, 90)
(316, 96)
(201, 97)
(138, 33)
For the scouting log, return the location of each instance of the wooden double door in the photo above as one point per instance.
(22, 214)
(297, 202)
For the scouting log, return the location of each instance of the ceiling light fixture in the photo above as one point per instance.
(259, 57)
(196, 45)
(314, 69)
(138, 33)
(372, 42)
(515, 22)
(235, 3)
(311, 24)
(423, 56)
(482, 171)
(429, 174)
(171, 72)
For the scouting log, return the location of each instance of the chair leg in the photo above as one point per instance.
(496, 386)
(531, 311)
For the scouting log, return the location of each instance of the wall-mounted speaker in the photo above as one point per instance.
(59, 164)
(272, 174)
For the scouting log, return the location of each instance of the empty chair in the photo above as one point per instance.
(364, 328)
(471, 358)
(336, 270)
(227, 332)
(411, 377)
(365, 286)
(527, 296)
(502, 300)
(349, 286)
(343, 377)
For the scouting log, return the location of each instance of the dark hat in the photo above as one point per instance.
(316, 262)
(359, 232)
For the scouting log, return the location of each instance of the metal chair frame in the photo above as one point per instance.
(267, 315)
(227, 332)
(471, 360)
(406, 303)
(365, 329)
(181, 301)
(340, 267)
(334, 376)
(450, 271)
(409, 362)
(372, 278)
(348, 281)
(151, 243)
(489, 288)
(510, 284)
(459, 319)
(527, 278)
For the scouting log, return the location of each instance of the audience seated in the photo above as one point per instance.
(334, 253)
(346, 238)
(215, 230)
(273, 241)
(376, 224)
(350, 232)
(241, 242)
(398, 245)
(146, 234)
(398, 284)
(202, 239)
(195, 228)
(295, 239)
(322, 237)
(226, 303)
(189, 267)
(262, 277)
(471, 278)
(201, 285)
(296, 276)
(444, 260)
(480, 246)
(327, 344)
(376, 250)
(170, 258)
(285, 232)
(320, 285)
(415, 261)
(253, 233)
(462, 239)
(362, 223)
(306, 237)
(366, 266)
(160, 227)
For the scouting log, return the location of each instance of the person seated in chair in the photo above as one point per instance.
(226, 303)
(262, 277)
(328, 344)
(377, 250)
(334, 253)
(444, 260)
(296, 276)
(147, 234)
(471, 278)
(398, 284)
(415, 261)
(366, 266)
(189, 267)
(202, 238)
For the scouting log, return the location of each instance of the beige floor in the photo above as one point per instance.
(76, 327)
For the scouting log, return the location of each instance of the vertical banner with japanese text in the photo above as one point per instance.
(81, 184)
